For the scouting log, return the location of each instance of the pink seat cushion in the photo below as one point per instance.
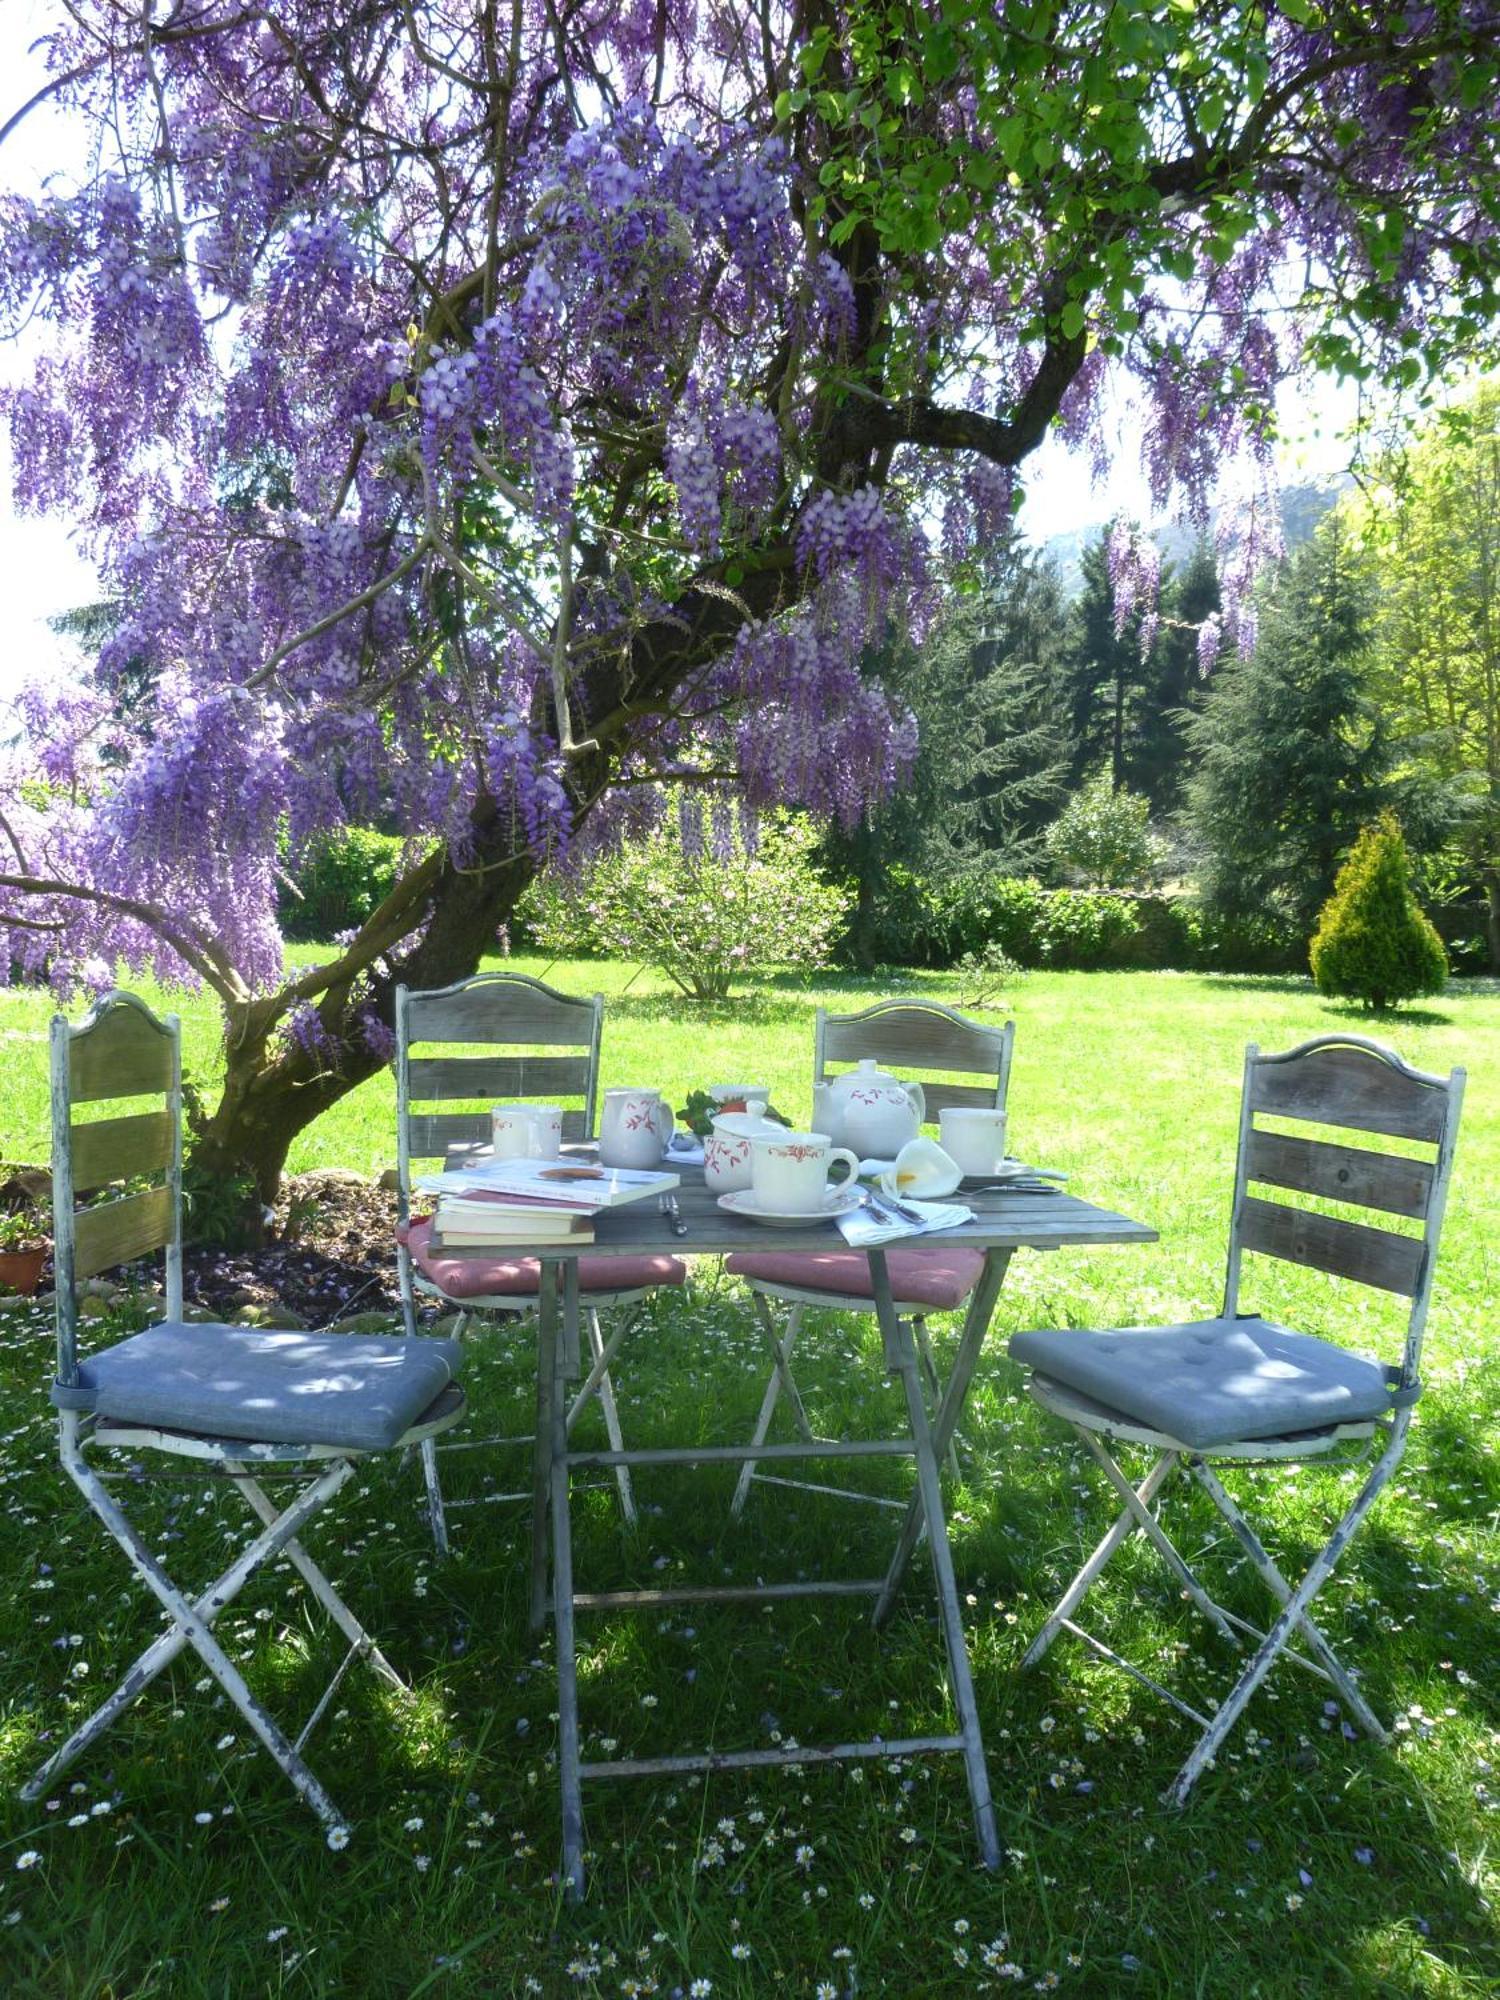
(478, 1277)
(938, 1279)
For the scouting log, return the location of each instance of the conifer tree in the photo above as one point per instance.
(990, 769)
(1372, 942)
(1292, 760)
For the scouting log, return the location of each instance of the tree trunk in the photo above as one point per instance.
(1492, 898)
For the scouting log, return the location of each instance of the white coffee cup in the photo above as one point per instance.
(526, 1131)
(789, 1170)
(973, 1137)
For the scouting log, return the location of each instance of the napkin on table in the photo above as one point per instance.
(863, 1229)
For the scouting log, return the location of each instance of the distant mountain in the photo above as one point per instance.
(1302, 507)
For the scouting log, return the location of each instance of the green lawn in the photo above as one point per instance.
(1307, 1864)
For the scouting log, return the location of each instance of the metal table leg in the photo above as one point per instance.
(901, 1348)
(562, 1608)
(971, 1342)
(547, 1375)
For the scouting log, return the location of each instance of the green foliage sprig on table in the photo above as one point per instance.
(1373, 942)
(1104, 834)
(700, 1110)
(706, 913)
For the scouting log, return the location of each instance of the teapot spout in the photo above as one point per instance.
(825, 1119)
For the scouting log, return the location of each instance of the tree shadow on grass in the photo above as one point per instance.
(1364, 1022)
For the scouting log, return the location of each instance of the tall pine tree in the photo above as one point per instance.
(1291, 756)
(991, 765)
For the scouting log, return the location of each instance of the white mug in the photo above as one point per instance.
(526, 1131)
(634, 1129)
(789, 1170)
(973, 1137)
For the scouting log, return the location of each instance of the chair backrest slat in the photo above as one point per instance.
(1346, 1083)
(1339, 1084)
(125, 1053)
(1327, 1243)
(494, 1010)
(956, 1096)
(924, 1036)
(915, 1037)
(431, 1134)
(430, 1077)
(120, 1050)
(117, 1232)
(1340, 1173)
(112, 1149)
(501, 1008)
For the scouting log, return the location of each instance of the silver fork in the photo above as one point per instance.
(666, 1204)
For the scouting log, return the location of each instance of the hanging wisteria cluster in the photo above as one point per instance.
(476, 414)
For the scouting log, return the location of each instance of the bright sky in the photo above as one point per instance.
(43, 573)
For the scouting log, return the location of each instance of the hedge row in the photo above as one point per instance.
(1076, 930)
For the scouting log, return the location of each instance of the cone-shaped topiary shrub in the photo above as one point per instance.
(1372, 942)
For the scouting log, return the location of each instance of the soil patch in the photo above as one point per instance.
(333, 1252)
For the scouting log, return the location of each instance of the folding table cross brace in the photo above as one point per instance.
(1005, 1225)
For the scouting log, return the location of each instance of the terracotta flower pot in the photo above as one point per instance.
(21, 1270)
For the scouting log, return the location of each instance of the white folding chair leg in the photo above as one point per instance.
(1152, 1529)
(1127, 1525)
(191, 1627)
(935, 1385)
(780, 1380)
(359, 1639)
(1293, 1618)
(437, 1518)
(606, 1393)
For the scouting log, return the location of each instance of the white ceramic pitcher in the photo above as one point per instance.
(634, 1129)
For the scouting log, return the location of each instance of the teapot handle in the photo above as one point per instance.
(919, 1098)
(664, 1123)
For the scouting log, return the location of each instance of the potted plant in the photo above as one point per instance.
(24, 1244)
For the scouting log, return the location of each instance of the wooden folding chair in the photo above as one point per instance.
(916, 1038)
(551, 1042)
(246, 1402)
(1240, 1388)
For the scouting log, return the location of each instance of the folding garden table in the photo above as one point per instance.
(1004, 1222)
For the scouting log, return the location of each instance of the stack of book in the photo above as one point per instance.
(531, 1203)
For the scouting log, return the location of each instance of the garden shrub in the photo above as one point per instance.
(940, 924)
(1373, 942)
(1104, 835)
(705, 913)
(344, 878)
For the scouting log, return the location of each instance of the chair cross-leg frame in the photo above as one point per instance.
(193, 1620)
(924, 1444)
(781, 1382)
(1139, 1516)
(597, 1383)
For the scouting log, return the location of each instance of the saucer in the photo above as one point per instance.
(1008, 1170)
(837, 1201)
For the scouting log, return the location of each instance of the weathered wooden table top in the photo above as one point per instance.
(1002, 1221)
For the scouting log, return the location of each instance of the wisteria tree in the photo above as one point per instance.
(484, 412)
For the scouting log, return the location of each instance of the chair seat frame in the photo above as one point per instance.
(928, 1035)
(1093, 1423)
(551, 1015)
(151, 1062)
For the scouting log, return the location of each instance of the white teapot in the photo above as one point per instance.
(868, 1110)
